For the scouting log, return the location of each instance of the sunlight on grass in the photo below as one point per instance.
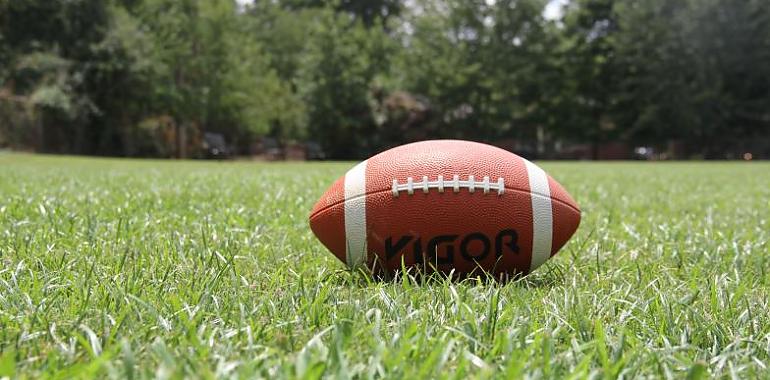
(131, 269)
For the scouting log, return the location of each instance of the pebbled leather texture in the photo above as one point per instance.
(469, 230)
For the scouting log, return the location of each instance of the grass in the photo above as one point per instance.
(136, 269)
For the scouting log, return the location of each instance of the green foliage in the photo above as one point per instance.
(649, 70)
(485, 69)
(370, 12)
(657, 61)
(52, 85)
(359, 76)
(146, 269)
(283, 35)
(341, 62)
(733, 85)
(590, 65)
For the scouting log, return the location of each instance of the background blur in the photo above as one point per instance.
(315, 79)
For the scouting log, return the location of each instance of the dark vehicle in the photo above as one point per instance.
(214, 146)
(313, 151)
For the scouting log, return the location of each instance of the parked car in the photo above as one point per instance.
(314, 151)
(214, 146)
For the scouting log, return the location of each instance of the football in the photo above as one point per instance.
(452, 206)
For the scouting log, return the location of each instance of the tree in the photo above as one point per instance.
(654, 92)
(148, 77)
(732, 94)
(217, 76)
(370, 12)
(342, 63)
(591, 72)
(486, 68)
(521, 59)
(48, 45)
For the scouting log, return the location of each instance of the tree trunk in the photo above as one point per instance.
(181, 140)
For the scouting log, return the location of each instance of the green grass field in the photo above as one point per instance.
(136, 269)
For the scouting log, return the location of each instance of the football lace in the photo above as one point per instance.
(454, 185)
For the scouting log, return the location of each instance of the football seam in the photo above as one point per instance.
(321, 211)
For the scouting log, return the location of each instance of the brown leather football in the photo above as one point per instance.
(446, 205)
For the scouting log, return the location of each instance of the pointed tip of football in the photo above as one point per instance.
(334, 195)
(566, 214)
(327, 219)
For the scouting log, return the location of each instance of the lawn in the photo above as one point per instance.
(136, 269)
